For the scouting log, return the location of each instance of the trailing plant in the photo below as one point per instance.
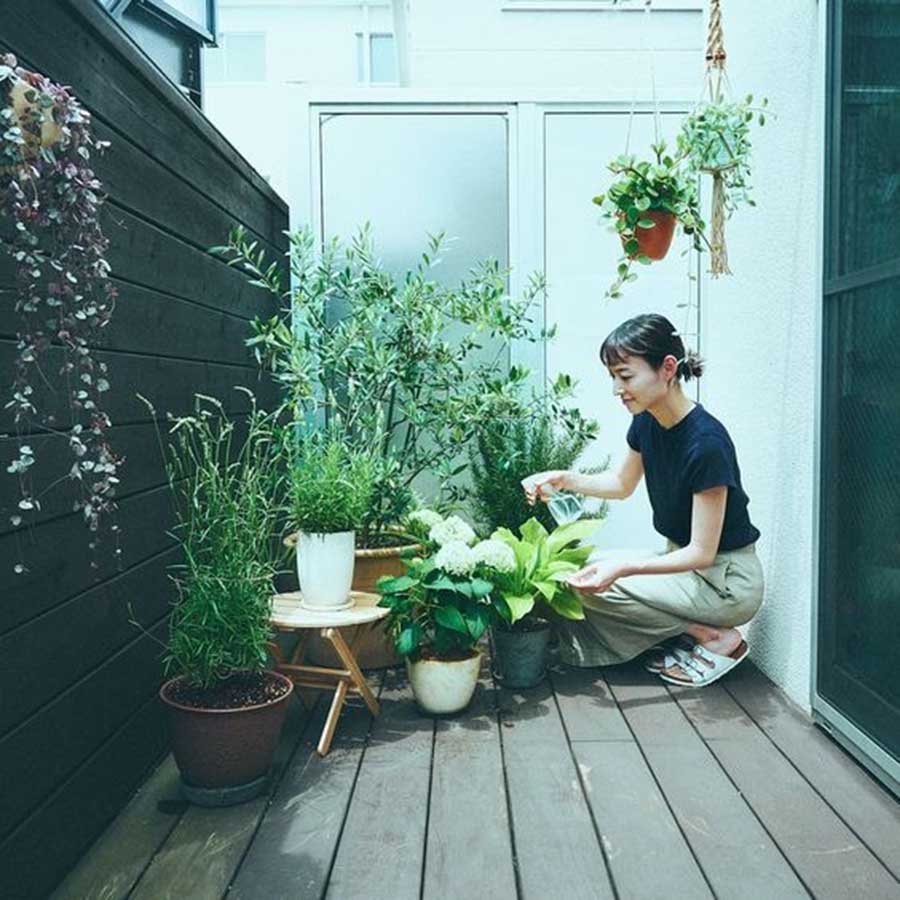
(715, 140)
(420, 362)
(330, 484)
(442, 606)
(63, 297)
(226, 477)
(509, 450)
(543, 561)
(662, 184)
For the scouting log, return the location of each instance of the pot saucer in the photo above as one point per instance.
(327, 609)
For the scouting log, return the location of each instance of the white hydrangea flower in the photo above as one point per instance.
(427, 517)
(453, 528)
(496, 555)
(455, 557)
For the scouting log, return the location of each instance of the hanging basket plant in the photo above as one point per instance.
(645, 203)
(62, 294)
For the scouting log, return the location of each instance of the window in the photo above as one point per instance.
(376, 58)
(240, 56)
(588, 5)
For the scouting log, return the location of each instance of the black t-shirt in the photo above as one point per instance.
(694, 455)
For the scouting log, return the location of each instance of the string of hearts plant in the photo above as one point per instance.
(63, 296)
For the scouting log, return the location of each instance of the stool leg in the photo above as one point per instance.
(340, 694)
(343, 651)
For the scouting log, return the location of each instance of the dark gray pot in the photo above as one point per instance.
(520, 657)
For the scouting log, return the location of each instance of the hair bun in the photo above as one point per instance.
(691, 366)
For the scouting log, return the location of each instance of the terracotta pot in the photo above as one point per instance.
(444, 686)
(225, 748)
(376, 649)
(51, 132)
(655, 242)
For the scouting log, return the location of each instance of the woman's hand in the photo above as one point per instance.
(542, 485)
(595, 578)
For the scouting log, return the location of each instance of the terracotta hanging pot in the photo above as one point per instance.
(654, 242)
(25, 100)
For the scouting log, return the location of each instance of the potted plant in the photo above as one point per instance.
(715, 140)
(399, 355)
(63, 296)
(226, 710)
(330, 492)
(535, 589)
(645, 202)
(439, 610)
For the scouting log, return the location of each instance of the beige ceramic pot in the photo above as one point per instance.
(444, 686)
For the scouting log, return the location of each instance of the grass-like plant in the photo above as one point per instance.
(508, 451)
(331, 484)
(226, 479)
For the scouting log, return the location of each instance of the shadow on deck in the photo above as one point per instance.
(600, 784)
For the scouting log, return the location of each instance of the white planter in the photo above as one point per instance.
(325, 569)
(444, 687)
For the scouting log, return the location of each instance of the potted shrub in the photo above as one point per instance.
(330, 492)
(524, 597)
(402, 355)
(439, 610)
(226, 710)
(645, 202)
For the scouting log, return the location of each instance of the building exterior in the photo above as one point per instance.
(500, 135)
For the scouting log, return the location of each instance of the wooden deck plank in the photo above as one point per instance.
(738, 857)
(826, 854)
(645, 849)
(467, 789)
(557, 850)
(864, 804)
(295, 845)
(203, 851)
(383, 842)
(588, 706)
(111, 868)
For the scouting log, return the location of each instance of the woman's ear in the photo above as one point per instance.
(669, 367)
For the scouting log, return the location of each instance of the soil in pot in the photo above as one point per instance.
(654, 242)
(241, 690)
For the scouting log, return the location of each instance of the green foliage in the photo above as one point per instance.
(510, 450)
(406, 357)
(330, 484)
(226, 479)
(435, 612)
(664, 184)
(715, 137)
(543, 562)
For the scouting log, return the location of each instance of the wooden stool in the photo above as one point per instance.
(289, 615)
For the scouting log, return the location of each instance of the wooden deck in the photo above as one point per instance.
(602, 784)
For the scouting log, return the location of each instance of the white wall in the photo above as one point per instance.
(759, 331)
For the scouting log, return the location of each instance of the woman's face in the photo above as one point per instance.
(638, 384)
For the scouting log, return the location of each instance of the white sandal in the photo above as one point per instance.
(703, 667)
(663, 656)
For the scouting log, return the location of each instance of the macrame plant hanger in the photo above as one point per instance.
(716, 80)
(645, 25)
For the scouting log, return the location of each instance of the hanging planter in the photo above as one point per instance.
(645, 203)
(63, 296)
(715, 141)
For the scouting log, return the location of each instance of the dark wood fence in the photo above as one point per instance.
(80, 725)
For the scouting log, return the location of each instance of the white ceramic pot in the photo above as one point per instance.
(325, 569)
(444, 687)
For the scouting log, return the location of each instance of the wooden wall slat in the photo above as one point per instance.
(43, 752)
(79, 722)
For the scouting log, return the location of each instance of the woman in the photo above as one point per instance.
(709, 580)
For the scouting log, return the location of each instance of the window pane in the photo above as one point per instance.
(384, 63)
(193, 9)
(870, 134)
(361, 76)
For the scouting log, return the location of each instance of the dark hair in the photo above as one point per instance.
(651, 337)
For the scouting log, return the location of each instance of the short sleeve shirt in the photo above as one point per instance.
(692, 456)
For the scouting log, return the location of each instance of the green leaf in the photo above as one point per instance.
(450, 617)
(569, 534)
(547, 588)
(441, 583)
(533, 532)
(388, 585)
(642, 203)
(631, 246)
(598, 199)
(478, 620)
(568, 605)
(481, 588)
(408, 639)
(501, 607)
(646, 223)
(519, 605)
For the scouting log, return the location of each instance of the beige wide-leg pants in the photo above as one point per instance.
(639, 611)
